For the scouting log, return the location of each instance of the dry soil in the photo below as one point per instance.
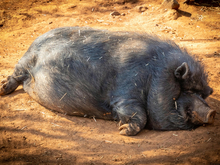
(32, 134)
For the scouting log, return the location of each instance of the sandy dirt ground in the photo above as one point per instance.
(32, 134)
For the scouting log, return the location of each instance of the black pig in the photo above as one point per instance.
(137, 79)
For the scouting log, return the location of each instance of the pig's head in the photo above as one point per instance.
(192, 111)
(193, 79)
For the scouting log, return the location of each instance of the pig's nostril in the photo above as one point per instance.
(211, 116)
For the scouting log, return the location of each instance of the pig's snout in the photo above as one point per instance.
(203, 118)
(202, 113)
(210, 116)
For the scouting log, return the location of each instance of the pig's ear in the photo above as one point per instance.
(182, 72)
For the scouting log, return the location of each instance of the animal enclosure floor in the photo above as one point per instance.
(32, 134)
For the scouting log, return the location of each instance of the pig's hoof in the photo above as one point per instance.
(3, 86)
(129, 129)
(8, 85)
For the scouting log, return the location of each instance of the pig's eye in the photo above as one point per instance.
(189, 108)
(189, 92)
(201, 95)
(189, 111)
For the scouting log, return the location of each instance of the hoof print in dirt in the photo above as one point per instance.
(142, 8)
(137, 79)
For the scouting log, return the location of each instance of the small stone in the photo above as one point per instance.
(115, 13)
(170, 4)
(122, 14)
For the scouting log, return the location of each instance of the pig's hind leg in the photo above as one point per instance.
(19, 75)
